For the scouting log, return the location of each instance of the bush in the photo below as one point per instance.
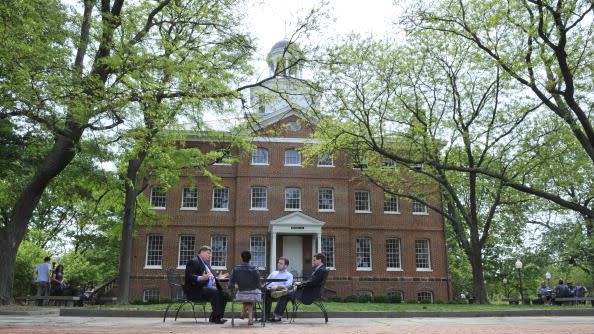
(438, 301)
(425, 301)
(412, 301)
(396, 299)
(381, 299)
(336, 299)
(351, 299)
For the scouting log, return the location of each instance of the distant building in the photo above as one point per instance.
(275, 206)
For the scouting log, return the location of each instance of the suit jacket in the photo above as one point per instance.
(311, 288)
(192, 287)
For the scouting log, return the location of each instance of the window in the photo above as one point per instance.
(362, 201)
(292, 158)
(390, 203)
(259, 198)
(224, 159)
(220, 199)
(260, 156)
(419, 208)
(186, 249)
(363, 254)
(150, 296)
(154, 252)
(190, 198)
(423, 255)
(325, 160)
(326, 199)
(157, 198)
(393, 255)
(218, 259)
(425, 295)
(328, 250)
(258, 249)
(396, 296)
(292, 199)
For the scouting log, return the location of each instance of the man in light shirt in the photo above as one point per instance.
(42, 274)
(282, 273)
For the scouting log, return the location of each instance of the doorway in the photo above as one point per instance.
(293, 250)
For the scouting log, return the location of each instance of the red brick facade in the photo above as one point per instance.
(240, 223)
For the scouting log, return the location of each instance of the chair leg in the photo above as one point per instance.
(194, 312)
(296, 305)
(167, 310)
(179, 308)
(323, 309)
(232, 314)
(204, 312)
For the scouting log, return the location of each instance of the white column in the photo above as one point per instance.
(319, 237)
(272, 251)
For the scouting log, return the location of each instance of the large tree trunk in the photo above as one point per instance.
(13, 231)
(128, 227)
(479, 289)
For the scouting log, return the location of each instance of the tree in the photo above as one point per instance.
(427, 105)
(544, 47)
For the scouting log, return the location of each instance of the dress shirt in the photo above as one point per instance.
(282, 274)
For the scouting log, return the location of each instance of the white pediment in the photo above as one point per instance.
(295, 222)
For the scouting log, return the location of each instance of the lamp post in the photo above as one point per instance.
(548, 277)
(505, 287)
(519, 267)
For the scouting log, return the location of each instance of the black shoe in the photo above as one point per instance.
(220, 321)
(276, 319)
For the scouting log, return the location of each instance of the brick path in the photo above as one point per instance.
(53, 324)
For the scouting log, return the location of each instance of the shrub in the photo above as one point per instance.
(412, 301)
(336, 299)
(396, 299)
(351, 299)
(438, 301)
(381, 299)
(425, 301)
(365, 299)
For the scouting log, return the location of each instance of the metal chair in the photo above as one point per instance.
(319, 301)
(257, 305)
(178, 296)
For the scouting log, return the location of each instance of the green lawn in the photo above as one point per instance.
(372, 307)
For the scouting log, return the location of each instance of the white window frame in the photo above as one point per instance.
(256, 155)
(416, 205)
(420, 296)
(388, 197)
(162, 195)
(398, 253)
(290, 151)
(320, 190)
(325, 157)
(153, 240)
(422, 255)
(215, 196)
(358, 193)
(151, 294)
(358, 250)
(287, 199)
(216, 249)
(328, 248)
(258, 248)
(182, 259)
(183, 202)
(259, 208)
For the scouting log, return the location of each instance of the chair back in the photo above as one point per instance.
(176, 288)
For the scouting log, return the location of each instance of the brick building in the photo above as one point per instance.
(274, 205)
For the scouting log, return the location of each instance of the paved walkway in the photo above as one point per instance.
(54, 324)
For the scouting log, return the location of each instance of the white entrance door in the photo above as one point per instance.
(293, 250)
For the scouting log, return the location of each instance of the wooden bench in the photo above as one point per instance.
(57, 300)
(574, 300)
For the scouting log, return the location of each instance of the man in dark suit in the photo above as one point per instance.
(307, 291)
(201, 284)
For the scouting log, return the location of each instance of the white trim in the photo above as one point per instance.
(293, 209)
(258, 209)
(259, 164)
(158, 208)
(221, 164)
(331, 268)
(219, 267)
(424, 269)
(188, 209)
(391, 212)
(153, 267)
(364, 269)
(420, 213)
(394, 269)
(325, 166)
(362, 211)
(181, 267)
(219, 209)
(326, 210)
(292, 165)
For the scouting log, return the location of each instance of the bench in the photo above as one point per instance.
(574, 300)
(57, 300)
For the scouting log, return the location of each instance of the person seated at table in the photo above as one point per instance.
(307, 291)
(201, 284)
(245, 280)
(276, 290)
(544, 293)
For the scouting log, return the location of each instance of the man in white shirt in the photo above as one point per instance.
(282, 273)
(42, 274)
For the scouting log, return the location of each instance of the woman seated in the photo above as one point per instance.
(245, 279)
